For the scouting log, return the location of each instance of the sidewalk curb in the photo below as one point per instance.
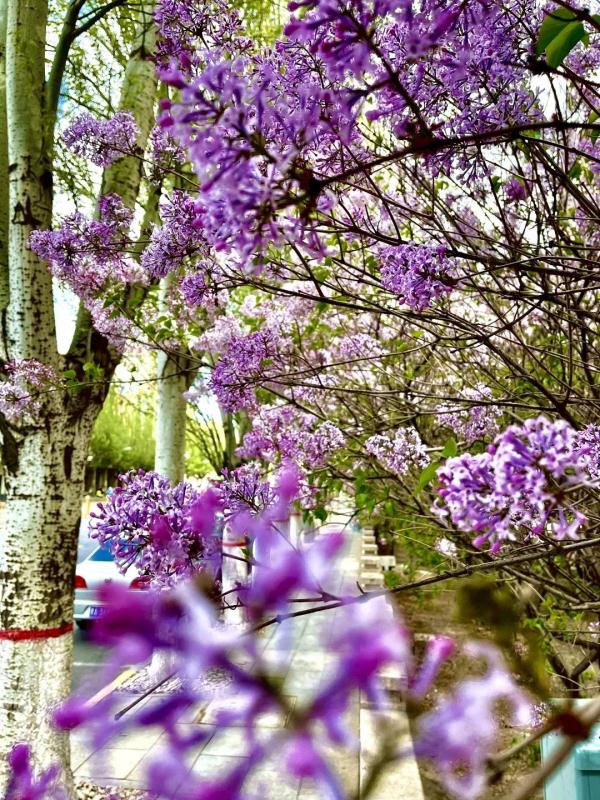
(110, 687)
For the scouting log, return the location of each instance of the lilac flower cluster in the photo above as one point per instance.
(87, 253)
(241, 368)
(23, 784)
(588, 444)
(21, 390)
(285, 432)
(474, 422)
(167, 154)
(225, 331)
(183, 623)
(253, 128)
(462, 731)
(340, 31)
(317, 447)
(243, 489)
(118, 329)
(267, 133)
(177, 239)
(102, 141)
(181, 25)
(420, 63)
(520, 484)
(400, 453)
(168, 532)
(517, 190)
(418, 274)
(359, 346)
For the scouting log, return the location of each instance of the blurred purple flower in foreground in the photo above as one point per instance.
(23, 784)
(461, 733)
(365, 638)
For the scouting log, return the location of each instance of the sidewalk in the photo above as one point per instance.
(124, 765)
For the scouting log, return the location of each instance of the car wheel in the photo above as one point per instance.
(83, 624)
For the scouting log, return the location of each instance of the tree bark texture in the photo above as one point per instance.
(174, 377)
(45, 456)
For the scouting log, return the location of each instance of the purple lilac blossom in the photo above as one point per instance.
(266, 131)
(21, 391)
(519, 485)
(22, 782)
(102, 141)
(463, 730)
(472, 422)
(176, 240)
(147, 522)
(398, 454)
(368, 636)
(285, 432)
(224, 332)
(241, 369)
(517, 189)
(244, 489)
(118, 329)
(182, 25)
(588, 444)
(86, 253)
(418, 274)
(250, 126)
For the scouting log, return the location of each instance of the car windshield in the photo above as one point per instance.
(101, 554)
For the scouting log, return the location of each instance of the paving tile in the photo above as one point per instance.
(138, 773)
(228, 742)
(208, 766)
(80, 752)
(344, 763)
(138, 740)
(401, 778)
(270, 785)
(110, 762)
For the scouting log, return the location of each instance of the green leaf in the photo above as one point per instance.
(560, 47)
(575, 171)
(70, 374)
(320, 514)
(450, 448)
(390, 508)
(428, 474)
(553, 25)
(593, 117)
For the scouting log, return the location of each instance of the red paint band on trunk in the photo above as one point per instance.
(240, 543)
(21, 635)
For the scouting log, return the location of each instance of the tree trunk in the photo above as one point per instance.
(37, 564)
(30, 317)
(3, 166)
(45, 459)
(171, 407)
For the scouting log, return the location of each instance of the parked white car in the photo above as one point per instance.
(93, 572)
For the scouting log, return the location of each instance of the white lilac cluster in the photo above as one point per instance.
(400, 453)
